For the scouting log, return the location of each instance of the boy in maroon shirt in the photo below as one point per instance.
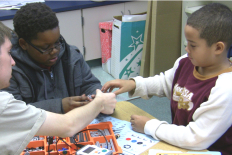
(199, 86)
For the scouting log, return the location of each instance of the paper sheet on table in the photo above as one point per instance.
(155, 151)
(131, 142)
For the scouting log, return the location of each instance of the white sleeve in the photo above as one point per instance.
(210, 121)
(18, 123)
(158, 85)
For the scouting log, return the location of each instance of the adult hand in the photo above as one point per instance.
(138, 122)
(70, 103)
(123, 85)
(107, 100)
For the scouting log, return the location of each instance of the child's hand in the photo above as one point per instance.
(138, 122)
(70, 103)
(123, 85)
(91, 97)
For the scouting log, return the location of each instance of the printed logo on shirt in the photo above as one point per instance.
(183, 96)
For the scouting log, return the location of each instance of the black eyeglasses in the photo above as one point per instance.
(57, 46)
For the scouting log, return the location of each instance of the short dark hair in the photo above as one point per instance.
(33, 18)
(4, 32)
(214, 23)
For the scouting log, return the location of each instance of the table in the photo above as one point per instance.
(125, 109)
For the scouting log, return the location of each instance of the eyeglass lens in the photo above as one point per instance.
(56, 46)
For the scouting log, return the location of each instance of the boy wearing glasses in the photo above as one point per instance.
(49, 73)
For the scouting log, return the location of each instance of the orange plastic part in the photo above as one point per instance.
(71, 150)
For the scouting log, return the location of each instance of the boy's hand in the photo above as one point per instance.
(107, 100)
(123, 85)
(138, 122)
(91, 97)
(70, 103)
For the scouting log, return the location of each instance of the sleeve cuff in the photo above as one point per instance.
(62, 110)
(140, 89)
(152, 126)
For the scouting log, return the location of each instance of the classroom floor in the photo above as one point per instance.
(156, 106)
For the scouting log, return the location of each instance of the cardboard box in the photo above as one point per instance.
(127, 45)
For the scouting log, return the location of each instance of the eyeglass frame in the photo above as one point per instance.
(59, 44)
